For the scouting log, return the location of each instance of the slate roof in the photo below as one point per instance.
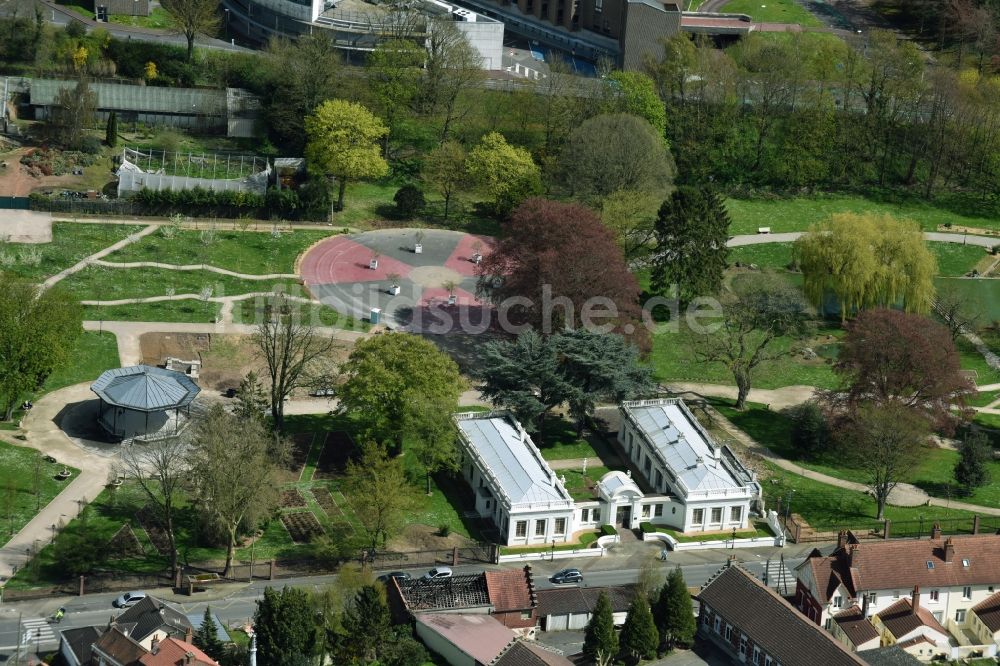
(511, 459)
(152, 614)
(115, 644)
(482, 637)
(857, 627)
(510, 589)
(172, 652)
(902, 564)
(889, 656)
(770, 621)
(80, 641)
(521, 653)
(687, 448)
(582, 599)
(145, 388)
(147, 99)
(988, 612)
(900, 619)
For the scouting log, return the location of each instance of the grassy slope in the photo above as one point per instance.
(773, 11)
(17, 498)
(797, 214)
(953, 259)
(94, 353)
(71, 242)
(251, 252)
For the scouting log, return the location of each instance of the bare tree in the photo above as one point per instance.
(452, 67)
(160, 469)
(957, 311)
(193, 18)
(290, 348)
(233, 463)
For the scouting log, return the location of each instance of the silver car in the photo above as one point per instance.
(129, 599)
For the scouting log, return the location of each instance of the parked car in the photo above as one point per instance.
(567, 576)
(398, 575)
(323, 393)
(437, 573)
(129, 599)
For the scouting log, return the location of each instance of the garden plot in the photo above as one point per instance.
(303, 527)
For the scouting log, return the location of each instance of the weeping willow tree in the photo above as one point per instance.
(867, 260)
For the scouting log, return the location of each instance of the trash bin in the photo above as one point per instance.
(375, 315)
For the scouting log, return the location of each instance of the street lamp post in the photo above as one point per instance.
(788, 505)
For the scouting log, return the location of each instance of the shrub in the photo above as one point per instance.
(409, 200)
(810, 430)
(646, 527)
(588, 538)
(444, 529)
(608, 530)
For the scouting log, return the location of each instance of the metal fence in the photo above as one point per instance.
(801, 532)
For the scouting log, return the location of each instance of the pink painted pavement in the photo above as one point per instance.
(461, 259)
(439, 295)
(339, 259)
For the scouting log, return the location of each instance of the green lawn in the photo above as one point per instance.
(18, 502)
(557, 440)
(158, 19)
(933, 472)
(102, 283)
(71, 242)
(955, 259)
(971, 359)
(188, 311)
(250, 252)
(94, 353)
(673, 359)
(769, 255)
(252, 311)
(982, 398)
(797, 214)
(759, 530)
(577, 482)
(772, 11)
(983, 294)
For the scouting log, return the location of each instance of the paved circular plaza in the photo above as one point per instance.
(339, 272)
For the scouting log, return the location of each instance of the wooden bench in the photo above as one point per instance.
(763, 230)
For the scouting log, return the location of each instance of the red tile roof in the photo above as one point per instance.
(915, 641)
(988, 611)
(902, 564)
(900, 619)
(173, 652)
(481, 637)
(857, 627)
(511, 589)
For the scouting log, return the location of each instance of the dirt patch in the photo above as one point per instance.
(337, 450)
(20, 180)
(425, 537)
(303, 527)
(225, 359)
(291, 498)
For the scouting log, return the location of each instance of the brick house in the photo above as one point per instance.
(755, 625)
(953, 575)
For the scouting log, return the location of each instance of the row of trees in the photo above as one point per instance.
(656, 623)
(825, 114)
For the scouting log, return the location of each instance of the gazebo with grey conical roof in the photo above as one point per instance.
(144, 402)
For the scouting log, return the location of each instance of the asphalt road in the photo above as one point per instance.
(238, 604)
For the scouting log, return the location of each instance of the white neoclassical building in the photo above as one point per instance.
(692, 484)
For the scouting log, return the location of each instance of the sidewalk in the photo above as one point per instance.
(43, 433)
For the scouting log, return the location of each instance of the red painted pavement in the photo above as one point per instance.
(339, 259)
(461, 259)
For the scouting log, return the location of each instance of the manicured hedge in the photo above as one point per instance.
(646, 527)
(608, 530)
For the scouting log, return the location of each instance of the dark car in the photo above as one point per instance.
(398, 575)
(567, 576)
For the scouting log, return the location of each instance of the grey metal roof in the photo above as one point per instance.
(145, 388)
(689, 452)
(144, 99)
(615, 480)
(511, 458)
(197, 619)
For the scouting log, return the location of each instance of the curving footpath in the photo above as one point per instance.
(194, 267)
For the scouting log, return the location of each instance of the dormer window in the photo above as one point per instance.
(965, 561)
(930, 564)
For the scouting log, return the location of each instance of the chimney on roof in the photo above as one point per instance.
(154, 645)
(188, 634)
(864, 604)
(949, 550)
(936, 531)
(188, 657)
(915, 601)
(841, 539)
(851, 551)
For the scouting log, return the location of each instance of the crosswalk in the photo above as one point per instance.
(36, 631)
(779, 576)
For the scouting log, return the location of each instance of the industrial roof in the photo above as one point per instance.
(144, 388)
(685, 446)
(147, 99)
(510, 457)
